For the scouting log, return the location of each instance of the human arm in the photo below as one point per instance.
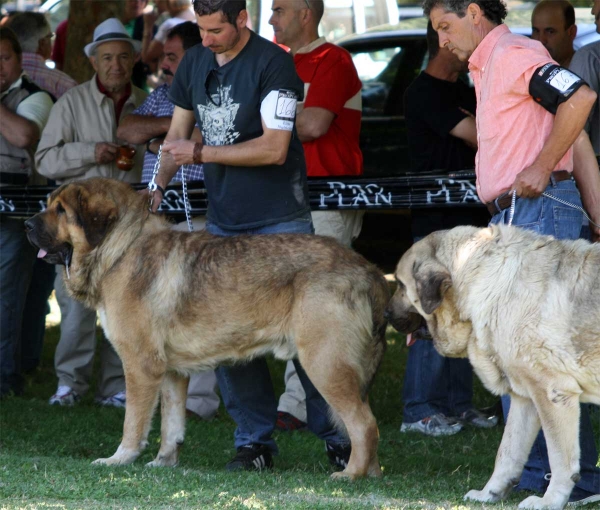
(466, 130)
(587, 176)
(569, 121)
(18, 130)
(268, 149)
(138, 129)
(313, 123)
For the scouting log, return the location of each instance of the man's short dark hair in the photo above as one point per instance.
(433, 41)
(6, 34)
(230, 8)
(318, 8)
(31, 27)
(493, 10)
(188, 33)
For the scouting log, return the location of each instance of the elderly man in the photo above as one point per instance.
(80, 141)
(553, 24)
(526, 148)
(149, 124)
(24, 110)
(35, 36)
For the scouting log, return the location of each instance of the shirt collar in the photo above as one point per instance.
(312, 46)
(14, 85)
(483, 52)
(33, 58)
(100, 91)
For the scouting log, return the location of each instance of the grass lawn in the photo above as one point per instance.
(46, 454)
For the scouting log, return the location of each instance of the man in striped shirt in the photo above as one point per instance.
(35, 37)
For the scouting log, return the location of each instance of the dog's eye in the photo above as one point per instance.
(60, 209)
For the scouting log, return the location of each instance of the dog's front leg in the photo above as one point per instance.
(559, 412)
(141, 385)
(521, 429)
(172, 404)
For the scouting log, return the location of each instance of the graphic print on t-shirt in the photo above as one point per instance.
(218, 122)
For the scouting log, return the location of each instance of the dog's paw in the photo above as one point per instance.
(120, 458)
(537, 503)
(343, 475)
(161, 461)
(482, 496)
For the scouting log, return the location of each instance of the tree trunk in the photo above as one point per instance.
(84, 17)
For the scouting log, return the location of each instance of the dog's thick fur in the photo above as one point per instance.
(173, 302)
(525, 309)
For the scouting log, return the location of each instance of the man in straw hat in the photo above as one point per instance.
(80, 141)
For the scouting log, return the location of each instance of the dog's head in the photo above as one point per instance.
(422, 282)
(78, 217)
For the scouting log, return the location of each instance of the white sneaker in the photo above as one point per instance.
(64, 396)
(116, 400)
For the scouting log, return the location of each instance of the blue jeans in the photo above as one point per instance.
(247, 389)
(435, 384)
(546, 216)
(17, 257)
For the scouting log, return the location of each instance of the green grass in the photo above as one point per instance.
(46, 454)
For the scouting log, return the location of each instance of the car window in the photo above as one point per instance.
(385, 70)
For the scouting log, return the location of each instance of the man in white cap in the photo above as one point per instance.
(80, 141)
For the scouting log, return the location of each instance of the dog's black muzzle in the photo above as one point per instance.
(39, 239)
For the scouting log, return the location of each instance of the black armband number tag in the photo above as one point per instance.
(552, 85)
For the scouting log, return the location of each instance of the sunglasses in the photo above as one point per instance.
(307, 4)
(207, 83)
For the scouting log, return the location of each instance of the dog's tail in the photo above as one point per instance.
(379, 297)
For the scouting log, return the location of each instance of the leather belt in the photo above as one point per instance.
(504, 200)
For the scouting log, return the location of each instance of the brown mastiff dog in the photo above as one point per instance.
(525, 310)
(173, 302)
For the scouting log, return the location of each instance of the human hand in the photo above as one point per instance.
(532, 181)
(182, 151)
(150, 16)
(105, 152)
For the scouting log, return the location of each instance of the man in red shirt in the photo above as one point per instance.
(328, 125)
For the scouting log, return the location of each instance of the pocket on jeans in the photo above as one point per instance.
(567, 222)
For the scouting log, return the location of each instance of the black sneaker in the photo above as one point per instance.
(339, 454)
(251, 457)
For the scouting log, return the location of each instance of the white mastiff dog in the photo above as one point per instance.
(525, 310)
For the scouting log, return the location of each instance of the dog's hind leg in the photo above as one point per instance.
(521, 429)
(559, 411)
(143, 378)
(172, 403)
(340, 386)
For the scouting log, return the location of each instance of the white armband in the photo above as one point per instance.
(278, 109)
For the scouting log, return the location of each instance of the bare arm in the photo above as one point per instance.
(587, 176)
(153, 52)
(313, 123)
(18, 130)
(466, 130)
(569, 121)
(268, 149)
(138, 129)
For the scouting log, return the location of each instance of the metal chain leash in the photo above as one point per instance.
(152, 186)
(547, 195)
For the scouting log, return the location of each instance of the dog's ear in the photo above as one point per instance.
(96, 216)
(432, 281)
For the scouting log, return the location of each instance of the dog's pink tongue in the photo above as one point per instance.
(41, 254)
(410, 340)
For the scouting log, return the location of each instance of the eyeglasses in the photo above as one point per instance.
(307, 4)
(209, 77)
(49, 36)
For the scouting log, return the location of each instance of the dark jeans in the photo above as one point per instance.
(247, 389)
(546, 216)
(16, 263)
(435, 384)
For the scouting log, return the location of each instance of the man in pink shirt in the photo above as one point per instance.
(529, 148)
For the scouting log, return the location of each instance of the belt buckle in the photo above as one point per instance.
(496, 201)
